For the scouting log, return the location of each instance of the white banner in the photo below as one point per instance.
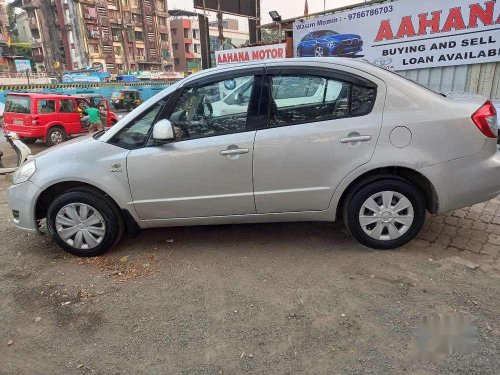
(260, 53)
(406, 34)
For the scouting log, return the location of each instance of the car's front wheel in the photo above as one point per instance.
(84, 223)
(385, 214)
(319, 51)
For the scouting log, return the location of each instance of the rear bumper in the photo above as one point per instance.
(22, 200)
(466, 181)
(27, 131)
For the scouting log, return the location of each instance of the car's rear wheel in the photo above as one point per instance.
(83, 223)
(55, 136)
(385, 214)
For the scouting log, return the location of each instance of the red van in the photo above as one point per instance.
(51, 117)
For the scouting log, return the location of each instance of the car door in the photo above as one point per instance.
(46, 112)
(313, 141)
(207, 170)
(69, 116)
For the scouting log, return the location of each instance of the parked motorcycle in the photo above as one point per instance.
(23, 152)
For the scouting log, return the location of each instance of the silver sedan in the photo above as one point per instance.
(291, 140)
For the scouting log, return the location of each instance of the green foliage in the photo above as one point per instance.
(270, 36)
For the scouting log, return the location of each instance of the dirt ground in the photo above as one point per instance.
(301, 298)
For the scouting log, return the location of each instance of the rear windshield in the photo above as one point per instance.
(18, 104)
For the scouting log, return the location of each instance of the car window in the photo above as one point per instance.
(67, 106)
(304, 98)
(18, 104)
(212, 109)
(136, 133)
(46, 106)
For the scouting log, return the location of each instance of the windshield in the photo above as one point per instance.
(116, 94)
(18, 104)
(323, 33)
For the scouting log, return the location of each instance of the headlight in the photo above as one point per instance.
(332, 44)
(24, 172)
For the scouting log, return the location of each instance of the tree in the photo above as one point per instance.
(270, 36)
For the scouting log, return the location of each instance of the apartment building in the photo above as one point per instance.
(4, 20)
(115, 35)
(186, 43)
(127, 35)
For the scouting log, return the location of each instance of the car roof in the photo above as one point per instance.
(285, 62)
(39, 95)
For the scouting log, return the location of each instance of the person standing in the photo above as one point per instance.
(94, 119)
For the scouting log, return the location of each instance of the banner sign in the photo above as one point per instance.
(22, 65)
(260, 53)
(406, 34)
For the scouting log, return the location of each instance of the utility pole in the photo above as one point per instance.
(220, 25)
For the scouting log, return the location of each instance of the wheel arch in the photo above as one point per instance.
(50, 193)
(422, 183)
(54, 125)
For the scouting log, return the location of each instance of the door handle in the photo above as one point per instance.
(359, 138)
(235, 151)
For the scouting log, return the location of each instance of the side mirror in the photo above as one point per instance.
(163, 132)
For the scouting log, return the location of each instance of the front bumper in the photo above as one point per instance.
(344, 50)
(466, 181)
(22, 200)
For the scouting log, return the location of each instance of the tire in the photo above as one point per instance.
(28, 141)
(55, 136)
(387, 228)
(87, 238)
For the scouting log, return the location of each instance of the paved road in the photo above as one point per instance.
(296, 298)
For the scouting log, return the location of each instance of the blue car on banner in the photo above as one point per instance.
(329, 43)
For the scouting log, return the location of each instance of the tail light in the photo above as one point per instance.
(486, 120)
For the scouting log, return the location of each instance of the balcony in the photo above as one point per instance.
(188, 40)
(33, 24)
(189, 55)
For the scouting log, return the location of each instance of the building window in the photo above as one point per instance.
(140, 52)
(177, 61)
(118, 51)
(176, 46)
(187, 48)
(186, 33)
(195, 36)
(139, 35)
(174, 31)
(196, 48)
(72, 45)
(164, 37)
(95, 48)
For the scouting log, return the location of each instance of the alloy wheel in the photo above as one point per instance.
(386, 215)
(318, 51)
(81, 226)
(56, 137)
